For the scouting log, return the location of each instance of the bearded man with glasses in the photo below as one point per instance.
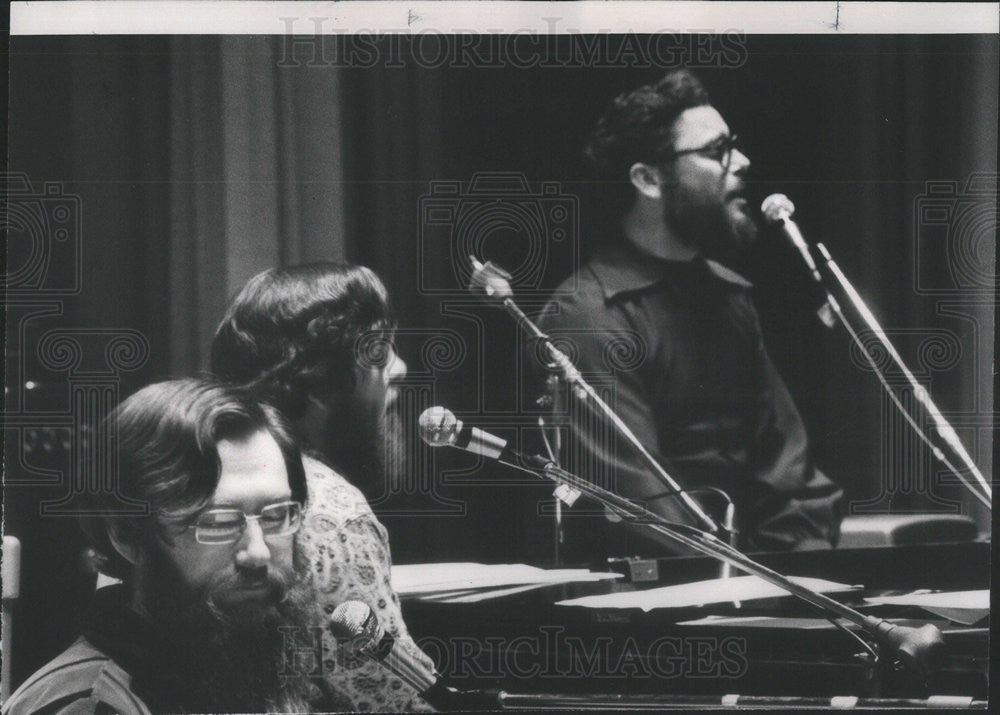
(695, 384)
(199, 526)
(315, 341)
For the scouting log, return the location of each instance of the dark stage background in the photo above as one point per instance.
(197, 162)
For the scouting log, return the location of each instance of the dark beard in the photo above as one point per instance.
(366, 446)
(705, 224)
(219, 656)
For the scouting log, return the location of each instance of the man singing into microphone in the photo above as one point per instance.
(315, 342)
(704, 398)
(213, 588)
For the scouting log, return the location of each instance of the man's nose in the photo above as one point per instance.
(253, 551)
(397, 368)
(739, 163)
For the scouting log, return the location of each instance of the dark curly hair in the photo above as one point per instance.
(638, 126)
(292, 332)
(165, 437)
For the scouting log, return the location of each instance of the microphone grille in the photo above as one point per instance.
(777, 207)
(355, 621)
(438, 426)
(491, 279)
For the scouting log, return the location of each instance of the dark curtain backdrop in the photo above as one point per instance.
(200, 161)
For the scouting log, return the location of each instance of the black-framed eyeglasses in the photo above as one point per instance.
(720, 150)
(225, 526)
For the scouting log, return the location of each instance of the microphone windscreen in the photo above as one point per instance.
(355, 621)
(438, 426)
(776, 207)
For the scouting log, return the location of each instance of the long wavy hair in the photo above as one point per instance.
(292, 332)
(166, 437)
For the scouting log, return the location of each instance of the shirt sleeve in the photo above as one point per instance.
(348, 552)
(790, 504)
(81, 681)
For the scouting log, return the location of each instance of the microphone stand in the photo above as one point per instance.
(494, 282)
(944, 428)
(919, 649)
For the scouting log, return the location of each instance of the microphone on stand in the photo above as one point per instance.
(440, 428)
(778, 210)
(920, 649)
(494, 282)
(354, 623)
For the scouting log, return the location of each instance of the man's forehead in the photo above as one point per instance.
(252, 470)
(698, 125)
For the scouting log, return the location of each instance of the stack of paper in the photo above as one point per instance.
(965, 607)
(470, 582)
(700, 593)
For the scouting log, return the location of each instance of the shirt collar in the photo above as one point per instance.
(114, 628)
(621, 268)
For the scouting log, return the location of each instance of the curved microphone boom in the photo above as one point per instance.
(920, 649)
(778, 210)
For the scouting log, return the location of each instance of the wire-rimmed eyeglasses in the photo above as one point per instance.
(225, 525)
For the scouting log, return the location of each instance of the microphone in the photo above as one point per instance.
(778, 210)
(440, 428)
(354, 623)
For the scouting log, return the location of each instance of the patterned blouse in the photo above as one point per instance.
(348, 552)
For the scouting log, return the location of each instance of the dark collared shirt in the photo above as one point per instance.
(95, 675)
(676, 349)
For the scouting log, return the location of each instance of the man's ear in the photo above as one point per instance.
(646, 179)
(129, 551)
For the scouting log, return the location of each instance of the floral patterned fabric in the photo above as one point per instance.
(348, 553)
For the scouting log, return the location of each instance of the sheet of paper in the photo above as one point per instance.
(763, 622)
(440, 578)
(699, 593)
(965, 607)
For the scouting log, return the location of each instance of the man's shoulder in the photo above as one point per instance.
(83, 679)
(579, 297)
(330, 492)
(580, 285)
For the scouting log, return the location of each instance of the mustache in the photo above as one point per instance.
(278, 583)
